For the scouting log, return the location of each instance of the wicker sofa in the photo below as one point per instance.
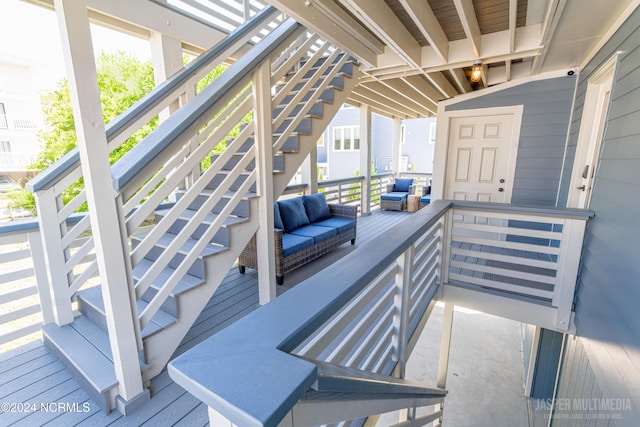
(305, 228)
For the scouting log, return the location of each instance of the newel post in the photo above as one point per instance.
(402, 302)
(53, 254)
(111, 248)
(263, 134)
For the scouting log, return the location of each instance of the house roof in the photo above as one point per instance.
(415, 53)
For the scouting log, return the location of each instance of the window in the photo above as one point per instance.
(5, 152)
(432, 133)
(346, 138)
(3, 118)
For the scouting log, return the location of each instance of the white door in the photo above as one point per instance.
(481, 156)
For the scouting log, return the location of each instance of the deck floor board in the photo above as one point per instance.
(30, 374)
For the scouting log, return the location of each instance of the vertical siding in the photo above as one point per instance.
(543, 134)
(608, 294)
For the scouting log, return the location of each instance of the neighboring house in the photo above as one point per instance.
(338, 149)
(20, 117)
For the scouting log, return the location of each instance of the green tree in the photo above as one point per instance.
(122, 80)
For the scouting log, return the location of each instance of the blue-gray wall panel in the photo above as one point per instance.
(543, 134)
(608, 292)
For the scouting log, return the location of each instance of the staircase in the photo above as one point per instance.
(187, 221)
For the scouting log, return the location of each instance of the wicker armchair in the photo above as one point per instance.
(396, 197)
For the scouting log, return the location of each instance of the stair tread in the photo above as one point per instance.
(187, 282)
(165, 240)
(91, 363)
(227, 195)
(190, 213)
(93, 296)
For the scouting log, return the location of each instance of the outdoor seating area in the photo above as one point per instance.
(396, 197)
(305, 228)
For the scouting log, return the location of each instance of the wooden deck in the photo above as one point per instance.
(35, 389)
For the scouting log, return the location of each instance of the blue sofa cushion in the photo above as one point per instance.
(292, 243)
(318, 233)
(402, 184)
(277, 219)
(425, 199)
(340, 224)
(394, 196)
(293, 214)
(316, 207)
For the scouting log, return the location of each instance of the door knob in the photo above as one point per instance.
(501, 189)
(581, 188)
(502, 181)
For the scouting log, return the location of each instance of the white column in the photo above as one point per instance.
(365, 159)
(395, 155)
(310, 171)
(445, 347)
(263, 134)
(73, 21)
(166, 56)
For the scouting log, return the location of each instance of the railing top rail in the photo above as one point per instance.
(526, 209)
(331, 182)
(222, 370)
(116, 126)
(383, 174)
(157, 141)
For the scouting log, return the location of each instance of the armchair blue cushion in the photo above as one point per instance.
(316, 207)
(293, 214)
(277, 219)
(403, 184)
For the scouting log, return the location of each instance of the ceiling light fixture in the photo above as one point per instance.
(476, 71)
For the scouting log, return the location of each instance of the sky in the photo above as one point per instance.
(30, 33)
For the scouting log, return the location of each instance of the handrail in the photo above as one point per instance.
(257, 345)
(552, 211)
(156, 142)
(115, 127)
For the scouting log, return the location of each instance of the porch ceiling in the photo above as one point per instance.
(414, 52)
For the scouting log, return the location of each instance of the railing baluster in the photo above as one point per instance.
(403, 308)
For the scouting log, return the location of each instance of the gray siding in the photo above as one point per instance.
(608, 294)
(545, 120)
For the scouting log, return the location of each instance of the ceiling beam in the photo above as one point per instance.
(357, 104)
(551, 19)
(391, 104)
(389, 112)
(513, 18)
(461, 80)
(422, 15)
(418, 83)
(387, 90)
(335, 25)
(442, 84)
(377, 16)
(469, 22)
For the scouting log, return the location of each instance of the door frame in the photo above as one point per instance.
(441, 149)
(592, 130)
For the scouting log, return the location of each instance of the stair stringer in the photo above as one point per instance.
(309, 141)
(159, 347)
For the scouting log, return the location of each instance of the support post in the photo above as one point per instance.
(310, 171)
(402, 301)
(42, 280)
(55, 259)
(73, 21)
(166, 56)
(445, 347)
(264, 165)
(365, 160)
(395, 155)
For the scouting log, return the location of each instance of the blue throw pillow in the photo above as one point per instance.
(403, 184)
(316, 207)
(277, 219)
(292, 213)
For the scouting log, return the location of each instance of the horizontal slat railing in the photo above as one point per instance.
(71, 267)
(524, 252)
(345, 315)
